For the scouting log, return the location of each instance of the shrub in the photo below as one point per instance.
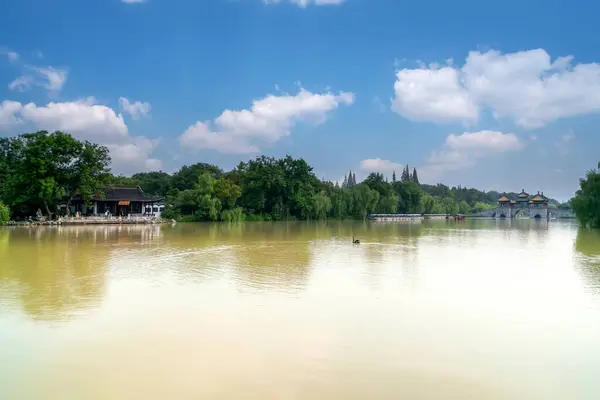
(4, 213)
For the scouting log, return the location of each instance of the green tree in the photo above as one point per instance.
(586, 203)
(463, 207)
(480, 206)
(227, 191)
(187, 176)
(4, 213)
(449, 205)
(87, 173)
(47, 168)
(122, 181)
(321, 205)
(409, 194)
(414, 176)
(365, 200)
(405, 175)
(157, 183)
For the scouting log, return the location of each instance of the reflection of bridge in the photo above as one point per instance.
(552, 212)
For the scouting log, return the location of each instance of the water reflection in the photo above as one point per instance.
(58, 273)
(587, 245)
(53, 273)
(439, 309)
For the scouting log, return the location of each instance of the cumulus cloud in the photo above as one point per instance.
(305, 3)
(527, 87)
(463, 151)
(269, 119)
(433, 94)
(379, 165)
(50, 78)
(458, 152)
(136, 109)
(87, 121)
(135, 154)
(9, 114)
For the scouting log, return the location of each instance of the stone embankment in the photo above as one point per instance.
(93, 221)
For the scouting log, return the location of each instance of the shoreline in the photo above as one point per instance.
(89, 222)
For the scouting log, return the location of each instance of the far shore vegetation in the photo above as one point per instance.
(586, 203)
(43, 170)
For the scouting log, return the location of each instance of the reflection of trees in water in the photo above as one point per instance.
(276, 255)
(53, 273)
(279, 255)
(273, 256)
(587, 244)
(57, 272)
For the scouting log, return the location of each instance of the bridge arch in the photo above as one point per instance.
(521, 212)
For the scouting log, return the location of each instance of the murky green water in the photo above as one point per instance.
(436, 310)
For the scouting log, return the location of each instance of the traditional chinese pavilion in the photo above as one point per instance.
(119, 201)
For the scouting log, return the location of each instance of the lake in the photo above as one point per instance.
(421, 310)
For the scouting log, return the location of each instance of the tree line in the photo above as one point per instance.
(43, 170)
(586, 203)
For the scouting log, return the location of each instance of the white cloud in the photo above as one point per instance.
(87, 121)
(22, 83)
(8, 114)
(49, 78)
(484, 140)
(458, 152)
(306, 3)
(268, 120)
(136, 153)
(379, 165)
(82, 118)
(136, 109)
(527, 87)
(200, 136)
(463, 151)
(433, 94)
(133, 1)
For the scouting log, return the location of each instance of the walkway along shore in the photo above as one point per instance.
(94, 221)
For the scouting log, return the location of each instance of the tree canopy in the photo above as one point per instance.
(586, 202)
(42, 169)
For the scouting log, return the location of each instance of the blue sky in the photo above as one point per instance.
(498, 97)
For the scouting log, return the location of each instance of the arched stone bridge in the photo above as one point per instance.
(554, 213)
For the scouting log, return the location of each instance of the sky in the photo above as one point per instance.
(502, 96)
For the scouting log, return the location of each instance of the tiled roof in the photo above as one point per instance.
(125, 193)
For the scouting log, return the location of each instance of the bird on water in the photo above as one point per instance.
(355, 241)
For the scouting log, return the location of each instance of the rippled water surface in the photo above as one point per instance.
(432, 310)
